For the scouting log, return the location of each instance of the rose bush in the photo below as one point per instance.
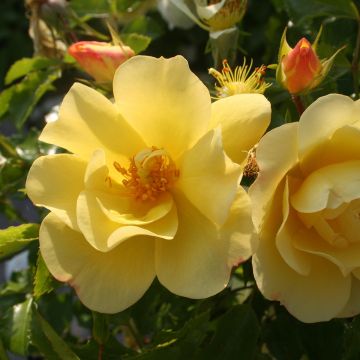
(148, 189)
(306, 203)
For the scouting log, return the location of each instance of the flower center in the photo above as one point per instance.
(240, 81)
(150, 173)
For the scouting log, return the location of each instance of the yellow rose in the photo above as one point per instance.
(147, 189)
(307, 206)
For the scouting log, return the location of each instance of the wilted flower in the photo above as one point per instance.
(148, 189)
(306, 203)
(300, 69)
(239, 81)
(100, 59)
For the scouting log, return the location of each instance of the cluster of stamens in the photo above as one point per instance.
(239, 81)
(150, 173)
(251, 169)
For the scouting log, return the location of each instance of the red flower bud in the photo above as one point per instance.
(100, 59)
(301, 66)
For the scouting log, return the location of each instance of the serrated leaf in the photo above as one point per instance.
(16, 238)
(48, 342)
(17, 327)
(137, 42)
(26, 65)
(44, 281)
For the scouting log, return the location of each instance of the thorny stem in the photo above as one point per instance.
(355, 62)
(298, 103)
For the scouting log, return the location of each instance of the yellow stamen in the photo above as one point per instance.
(150, 173)
(239, 81)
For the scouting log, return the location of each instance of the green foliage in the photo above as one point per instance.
(43, 282)
(16, 238)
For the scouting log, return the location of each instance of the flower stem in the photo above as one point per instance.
(298, 103)
(355, 62)
(101, 350)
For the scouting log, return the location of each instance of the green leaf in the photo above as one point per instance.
(16, 327)
(26, 65)
(48, 342)
(87, 7)
(44, 281)
(303, 10)
(236, 336)
(137, 42)
(28, 93)
(5, 98)
(16, 238)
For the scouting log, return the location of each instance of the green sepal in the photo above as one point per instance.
(283, 50)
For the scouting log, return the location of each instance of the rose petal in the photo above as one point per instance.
(275, 155)
(328, 187)
(164, 101)
(104, 234)
(243, 119)
(105, 282)
(195, 263)
(89, 121)
(208, 178)
(319, 296)
(55, 181)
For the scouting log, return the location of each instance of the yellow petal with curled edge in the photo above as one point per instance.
(105, 282)
(164, 102)
(319, 296)
(89, 121)
(55, 182)
(328, 187)
(244, 118)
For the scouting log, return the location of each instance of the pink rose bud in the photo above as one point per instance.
(301, 66)
(100, 59)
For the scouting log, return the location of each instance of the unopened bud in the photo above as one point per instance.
(100, 59)
(300, 69)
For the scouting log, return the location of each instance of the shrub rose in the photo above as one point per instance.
(306, 203)
(147, 189)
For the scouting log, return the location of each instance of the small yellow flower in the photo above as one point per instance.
(150, 188)
(239, 81)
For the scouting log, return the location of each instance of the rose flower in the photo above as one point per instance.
(306, 203)
(147, 188)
